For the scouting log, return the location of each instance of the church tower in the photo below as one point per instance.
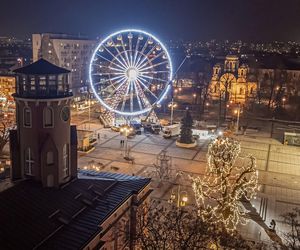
(44, 145)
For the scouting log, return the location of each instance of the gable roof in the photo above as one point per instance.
(66, 218)
(41, 67)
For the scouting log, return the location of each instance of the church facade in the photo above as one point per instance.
(232, 79)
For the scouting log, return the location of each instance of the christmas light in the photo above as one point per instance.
(225, 183)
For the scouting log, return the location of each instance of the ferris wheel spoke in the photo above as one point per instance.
(125, 96)
(120, 54)
(151, 60)
(153, 66)
(114, 56)
(136, 51)
(154, 78)
(125, 51)
(108, 80)
(107, 73)
(145, 100)
(154, 72)
(116, 89)
(138, 64)
(130, 50)
(131, 96)
(146, 87)
(142, 52)
(111, 61)
(137, 95)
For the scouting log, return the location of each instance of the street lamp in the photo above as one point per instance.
(237, 112)
(172, 105)
(283, 101)
(126, 130)
(195, 96)
(182, 197)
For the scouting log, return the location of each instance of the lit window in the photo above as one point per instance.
(28, 162)
(48, 117)
(65, 161)
(50, 158)
(27, 117)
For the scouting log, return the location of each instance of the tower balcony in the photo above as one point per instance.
(42, 80)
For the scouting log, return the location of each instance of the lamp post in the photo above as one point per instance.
(283, 102)
(181, 197)
(126, 131)
(172, 105)
(89, 102)
(237, 112)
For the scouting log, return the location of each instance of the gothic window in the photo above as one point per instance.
(242, 72)
(251, 90)
(27, 117)
(66, 160)
(215, 89)
(241, 91)
(48, 117)
(29, 162)
(50, 158)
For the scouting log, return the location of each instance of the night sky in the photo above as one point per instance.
(250, 20)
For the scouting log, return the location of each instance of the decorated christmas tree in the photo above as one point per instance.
(186, 134)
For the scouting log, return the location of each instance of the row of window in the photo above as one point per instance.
(29, 161)
(48, 117)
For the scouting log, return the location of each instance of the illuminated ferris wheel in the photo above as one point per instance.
(130, 72)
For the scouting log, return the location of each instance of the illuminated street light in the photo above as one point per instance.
(126, 130)
(181, 198)
(172, 105)
(283, 101)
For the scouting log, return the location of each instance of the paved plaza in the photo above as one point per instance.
(278, 165)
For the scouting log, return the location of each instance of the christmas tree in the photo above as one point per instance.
(186, 134)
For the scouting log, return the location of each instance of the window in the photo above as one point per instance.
(66, 160)
(50, 158)
(48, 117)
(29, 162)
(241, 91)
(27, 117)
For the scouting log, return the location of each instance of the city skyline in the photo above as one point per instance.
(233, 20)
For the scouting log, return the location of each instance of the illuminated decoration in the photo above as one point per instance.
(130, 72)
(229, 178)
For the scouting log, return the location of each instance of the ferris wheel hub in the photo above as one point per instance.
(132, 73)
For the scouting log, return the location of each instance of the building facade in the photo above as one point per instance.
(58, 206)
(232, 79)
(71, 52)
(43, 112)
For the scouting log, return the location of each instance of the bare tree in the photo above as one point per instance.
(4, 134)
(292, 237)
(225, 183)
(164, 227)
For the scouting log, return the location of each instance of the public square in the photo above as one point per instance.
(279, 187)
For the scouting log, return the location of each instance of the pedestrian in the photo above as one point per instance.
(120, 143)
(98, 136)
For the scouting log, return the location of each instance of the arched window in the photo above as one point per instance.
(27, 119)
(29, 162)
(215, 89)
(242, 72)
(251, 90)
(241, 91)
(66, 160)
(48, 117)
(50, 158)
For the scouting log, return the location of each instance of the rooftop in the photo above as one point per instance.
(66, 218)
(41, 67)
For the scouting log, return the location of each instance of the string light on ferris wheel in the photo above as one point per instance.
(130, 72)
